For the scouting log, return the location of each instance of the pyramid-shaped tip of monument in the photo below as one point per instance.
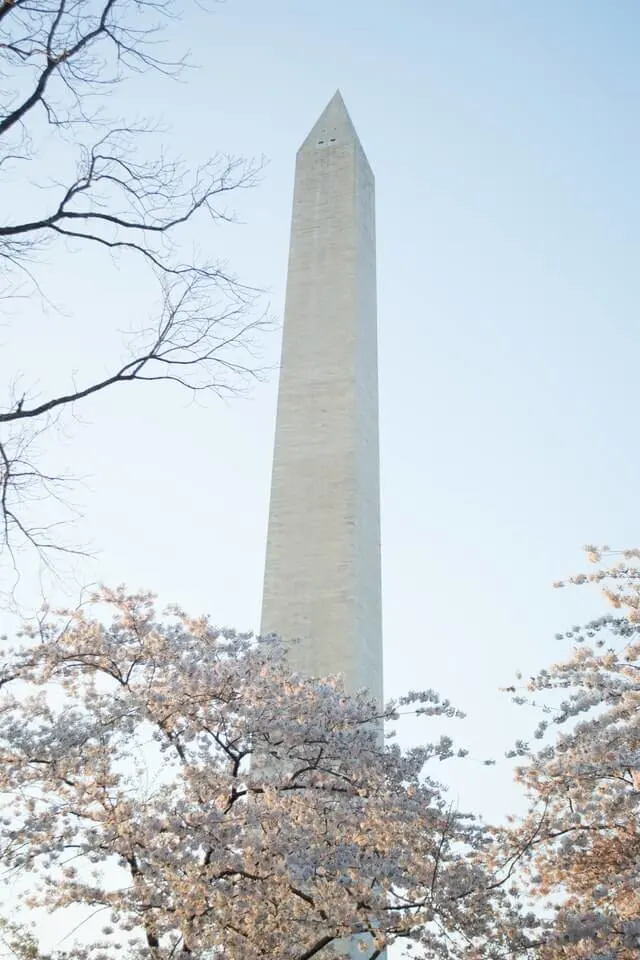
(332, 126)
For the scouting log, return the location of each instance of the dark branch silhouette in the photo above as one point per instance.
(58, 59)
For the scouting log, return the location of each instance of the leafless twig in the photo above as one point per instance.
(58, 58)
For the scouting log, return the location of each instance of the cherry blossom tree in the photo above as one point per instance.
(179, 784)
(77, 175)
(580, 843)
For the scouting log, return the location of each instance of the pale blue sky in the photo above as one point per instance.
(504, 139)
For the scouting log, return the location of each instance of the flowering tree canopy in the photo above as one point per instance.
(582, 835)
(126, 743)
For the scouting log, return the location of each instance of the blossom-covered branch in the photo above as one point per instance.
(184, 780)
(582, 837)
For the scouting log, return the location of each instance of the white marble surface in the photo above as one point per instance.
(322, 577)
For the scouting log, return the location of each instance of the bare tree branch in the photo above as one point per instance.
(122, 195)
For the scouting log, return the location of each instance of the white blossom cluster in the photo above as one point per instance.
(580, 844)
(126, 741)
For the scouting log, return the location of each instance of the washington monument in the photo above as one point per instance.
(322, 575)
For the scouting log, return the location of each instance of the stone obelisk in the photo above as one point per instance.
(322, 575)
